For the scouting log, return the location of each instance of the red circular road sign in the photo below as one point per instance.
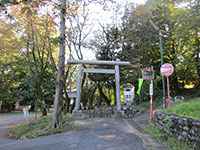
(167, 69)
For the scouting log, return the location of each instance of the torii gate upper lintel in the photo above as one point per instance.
(81, 71)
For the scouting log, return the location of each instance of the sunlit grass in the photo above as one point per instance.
(189, 108)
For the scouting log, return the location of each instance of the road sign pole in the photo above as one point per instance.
(168, 99)
(148, 74)
(151, 101)
(168, 88)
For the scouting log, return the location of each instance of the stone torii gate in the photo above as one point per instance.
(81, 72)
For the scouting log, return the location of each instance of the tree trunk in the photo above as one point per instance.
(61, 69)
(92, 97)
(102, 95)
(66, 99)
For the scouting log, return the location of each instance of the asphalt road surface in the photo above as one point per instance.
(96, 134)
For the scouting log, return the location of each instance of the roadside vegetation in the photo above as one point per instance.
(188, 108)
(169, 141)
(41, 127)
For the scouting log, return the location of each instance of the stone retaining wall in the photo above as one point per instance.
(183, 128)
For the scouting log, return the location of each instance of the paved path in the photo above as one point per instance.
(97, 134)
(7, 120)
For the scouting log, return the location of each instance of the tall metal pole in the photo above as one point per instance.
(162, 61)
(161, 57)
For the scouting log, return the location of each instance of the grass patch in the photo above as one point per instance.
(189, 108)
(40, 127)
(144, 106)
(169, 141)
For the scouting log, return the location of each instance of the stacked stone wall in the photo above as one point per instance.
(183, 128)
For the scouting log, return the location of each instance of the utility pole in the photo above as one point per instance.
(161, 57)
(161, 63)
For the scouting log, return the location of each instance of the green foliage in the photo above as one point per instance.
(107, 43)
(171, 142)
(10, 73)
(27, 63)
(41, 127)
(137, 41)
(10, 76)
(188, 108)
(88, 96)
(3, 2)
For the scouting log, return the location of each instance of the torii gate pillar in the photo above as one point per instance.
(78, 86)
(117, 82)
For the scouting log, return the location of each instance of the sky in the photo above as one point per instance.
(105, 17)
